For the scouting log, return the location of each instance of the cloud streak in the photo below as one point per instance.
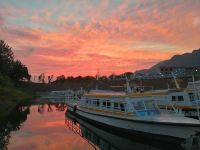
(114, 36)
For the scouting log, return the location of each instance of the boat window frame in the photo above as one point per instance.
(106, 102)
(191, 96)
(180, 98)
(116, 107)
(136, 108)
(122, 108)
(86, 101)
(108, 106)
(95, 102)
(149, 101)
(173, 97)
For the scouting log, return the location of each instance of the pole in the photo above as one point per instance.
(196, 97)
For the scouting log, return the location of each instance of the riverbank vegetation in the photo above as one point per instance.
(112, 82)
(12, 74)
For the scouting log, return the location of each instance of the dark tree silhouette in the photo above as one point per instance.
(19, 72)
(6, 58)
(11, 67)
(60, 78)
(41, 78)
(50, 78)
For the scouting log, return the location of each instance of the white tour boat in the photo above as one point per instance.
(101, 137)
(133, 112)
(61, 96)
(182, 101)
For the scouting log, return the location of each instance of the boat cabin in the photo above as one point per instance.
(61, 96)
(119, 105)
(181, 99)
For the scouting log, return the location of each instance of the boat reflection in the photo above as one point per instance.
(48, 107)
(101, 138)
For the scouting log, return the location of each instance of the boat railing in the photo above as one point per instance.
(196, 103)
(127, 111)
(169, 108)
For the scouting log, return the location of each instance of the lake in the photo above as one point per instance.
(49, 126)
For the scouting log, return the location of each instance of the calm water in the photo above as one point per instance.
(45, 127)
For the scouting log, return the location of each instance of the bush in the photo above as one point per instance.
(6, 82)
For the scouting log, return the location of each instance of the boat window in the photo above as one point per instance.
(122, 107)
(191, 96)
(173, 98)
(180, 98)
(97, 102)
(104, 103)
(149, 105)
(139, 105)
(108, 105)
(116, 105)
(87, 101)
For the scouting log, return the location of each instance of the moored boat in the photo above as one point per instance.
(133, 113)
(183, 101)
(61, 96)
(103, 138)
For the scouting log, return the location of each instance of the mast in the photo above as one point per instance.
(174, 77)
(196, 97)
(128, 88)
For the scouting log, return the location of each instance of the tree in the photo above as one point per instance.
(41, 78)
(11, 67)
(19, 72)
(60, 78)
(6, 58)
(50, 78)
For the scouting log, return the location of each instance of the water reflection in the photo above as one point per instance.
(45, 126)
(39, 127)
(58, 106)
(18, 116)
(13, 122)
(104, 139)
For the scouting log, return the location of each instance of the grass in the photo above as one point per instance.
(9, 98)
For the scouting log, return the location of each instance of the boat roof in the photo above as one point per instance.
(108, 94)
(62, 91)
(104, 93)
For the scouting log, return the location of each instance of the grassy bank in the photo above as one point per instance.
(11, 95)
(9, 98)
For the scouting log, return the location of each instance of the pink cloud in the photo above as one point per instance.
(113, 38)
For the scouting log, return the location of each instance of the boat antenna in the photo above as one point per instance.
(174, 77)
(196, 97)
(128, 88)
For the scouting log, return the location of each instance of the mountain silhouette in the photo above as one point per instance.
(184, 60)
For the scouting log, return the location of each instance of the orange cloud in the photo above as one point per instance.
(111, 36)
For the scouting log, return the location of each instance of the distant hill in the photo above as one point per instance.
(184, 60)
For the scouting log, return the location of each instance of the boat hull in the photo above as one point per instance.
(127, 141)
(134, 126)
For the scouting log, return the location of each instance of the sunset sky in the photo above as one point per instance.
(78, 37)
